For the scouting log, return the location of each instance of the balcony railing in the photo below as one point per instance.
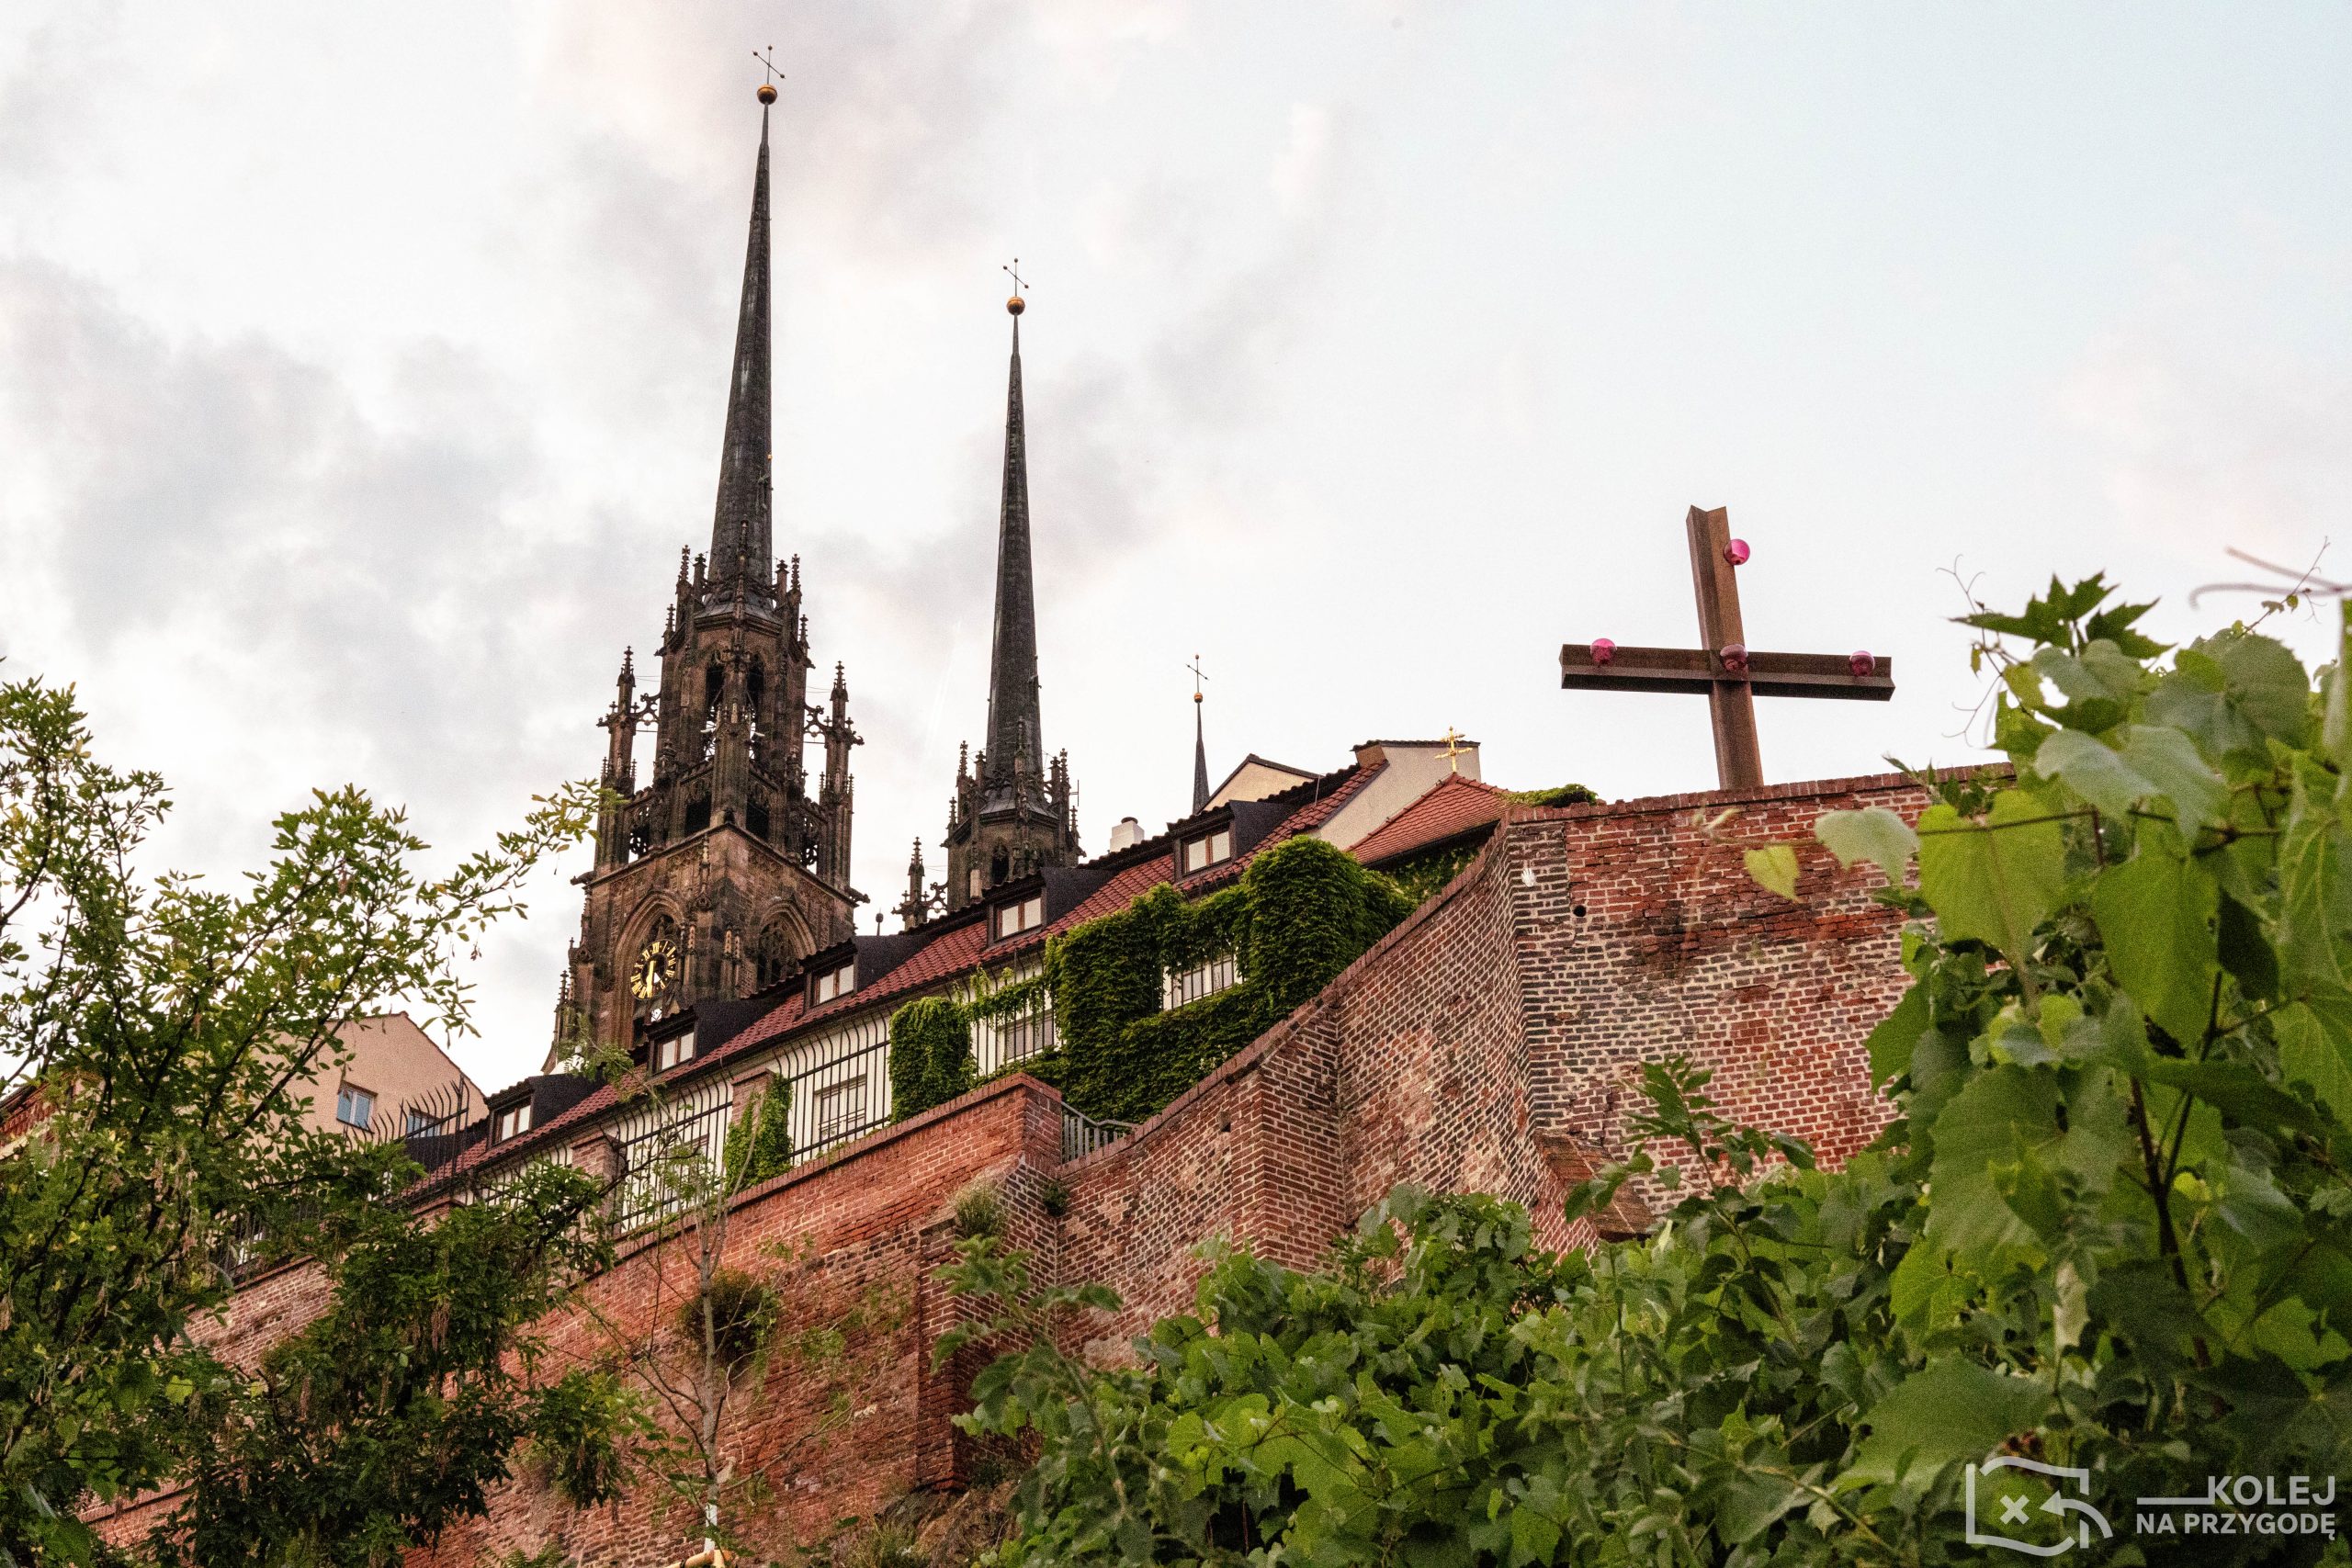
(1082, 1135)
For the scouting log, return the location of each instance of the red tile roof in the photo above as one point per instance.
(960, 947)
(1451, 807)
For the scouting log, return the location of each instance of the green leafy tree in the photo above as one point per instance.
(389, 1417)
(2110, 1227)
(715, 1331)
(153, 1031)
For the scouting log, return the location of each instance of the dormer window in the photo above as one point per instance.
(1027, 915)
(668, 1054)
(839, 981)
(355, 1106)
(1207, 850)
(513, 1121)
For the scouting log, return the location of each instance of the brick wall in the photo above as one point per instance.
(1638, 935)
(1488, 1044)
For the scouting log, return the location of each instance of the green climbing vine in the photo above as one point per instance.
(931, 1056)
(1301, 912)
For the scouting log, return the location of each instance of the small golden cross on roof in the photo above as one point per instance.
(1453, 749)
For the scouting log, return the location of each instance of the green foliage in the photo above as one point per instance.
(573, 1435)
(931, 1056)
(1301, 912)
(731, 1315)
(388, 1419)
(1311, 911)
(768, 1149)
(1558, 794)
(155, 1025)
(1421, 877)
(979, 1211)
(2110, 1227)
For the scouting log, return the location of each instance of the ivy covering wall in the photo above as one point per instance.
(1301, 912)
(931, 1056)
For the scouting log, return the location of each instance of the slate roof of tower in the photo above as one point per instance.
(1016, 732)
(741, 528)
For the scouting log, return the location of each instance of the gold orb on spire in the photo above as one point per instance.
(767, 91)
(1015, 305)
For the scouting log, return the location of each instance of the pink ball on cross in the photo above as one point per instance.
(1861, 662)
(1603, 650)
(1736, 552)
(1735, 657)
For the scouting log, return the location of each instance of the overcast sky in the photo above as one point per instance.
(362, 370)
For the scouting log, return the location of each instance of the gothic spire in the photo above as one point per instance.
(1015, 738)
(1200, 761)
(739, 532)
(1200, 745)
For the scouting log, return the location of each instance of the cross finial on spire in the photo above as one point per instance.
(1453, 749)
(767, 64)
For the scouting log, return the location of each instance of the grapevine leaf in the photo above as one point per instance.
(1992, 882)
(1774, 866)
(1898, 1035)
(2315, 1047)
(1953, 1410)
(1873, 834)
(2315, 889)
(2155, 913)
(2004, 1111)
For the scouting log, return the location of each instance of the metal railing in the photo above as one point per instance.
(671, 1163)
(1179, 987)
(1082, 1135)
(676, 1162)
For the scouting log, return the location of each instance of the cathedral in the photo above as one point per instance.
(728, 867)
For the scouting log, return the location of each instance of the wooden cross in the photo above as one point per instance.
(1723, 668)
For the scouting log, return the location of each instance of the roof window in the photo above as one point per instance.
(838, 981)
(1208, 850)
(1026, 915)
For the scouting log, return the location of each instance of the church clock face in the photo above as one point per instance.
(656, 969)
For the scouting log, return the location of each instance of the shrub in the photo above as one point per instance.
(978, 1211)
(741, 1311)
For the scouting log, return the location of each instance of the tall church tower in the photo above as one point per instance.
(1015, 811)
(731, 864)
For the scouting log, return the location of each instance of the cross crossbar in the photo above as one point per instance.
(1724, 669)
(1698, 672)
